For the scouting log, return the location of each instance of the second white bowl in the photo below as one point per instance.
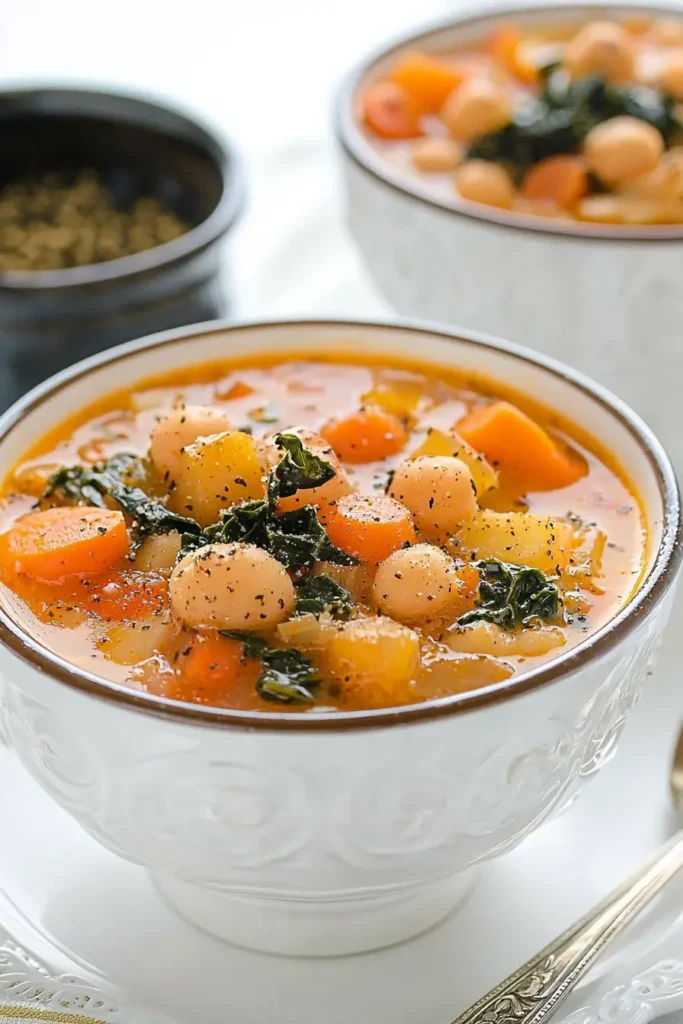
(605, 299)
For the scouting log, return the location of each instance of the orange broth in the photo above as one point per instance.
(117, 623)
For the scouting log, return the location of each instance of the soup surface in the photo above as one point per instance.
(316, 534)
(583, 123)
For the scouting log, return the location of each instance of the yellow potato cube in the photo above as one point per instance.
(375, 660)
(218, 471)
(519, 537)
(440, 442)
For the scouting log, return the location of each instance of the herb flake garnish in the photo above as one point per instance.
(513, 595)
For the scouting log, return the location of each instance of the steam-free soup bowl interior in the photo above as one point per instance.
(328, 833)
(604, 297)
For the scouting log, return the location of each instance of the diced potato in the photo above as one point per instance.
(586, 566)
(158, 553)
(375, 660)
(450, 673)
(129, 643)
(308, 632)
(487, 638)
(440, 442)
(403, 402)
(519, 537)
(217, 471)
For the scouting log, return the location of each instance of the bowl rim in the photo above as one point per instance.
(360, 151)
(219, 148)
(651, 592)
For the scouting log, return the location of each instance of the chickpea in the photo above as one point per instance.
(181, 427)
(436, 155)
(664, 183)
(438, 490)
(476, 107)
(230, 586)
(666, 32)
(414, 583)
(602, 48)
(671, 75)
(480, 181)
(622, 148)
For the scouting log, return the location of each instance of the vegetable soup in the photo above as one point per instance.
(309, 534)
(583, 122)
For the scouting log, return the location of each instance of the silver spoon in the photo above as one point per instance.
(536, 989)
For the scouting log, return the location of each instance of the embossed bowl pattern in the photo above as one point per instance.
(333, 833)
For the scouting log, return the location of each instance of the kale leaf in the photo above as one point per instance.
(288, 675)
(558, 120)
(112, 479)
(318, 594)
(295, 538)
(298, 469)
(253, 645)
(513, 595)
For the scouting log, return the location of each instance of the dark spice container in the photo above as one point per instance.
(52, 318)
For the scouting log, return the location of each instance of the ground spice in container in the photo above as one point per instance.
(51, 223)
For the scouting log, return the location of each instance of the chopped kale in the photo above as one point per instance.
(253, 645)
(298, 469)
(318, 594)
(288, 675)
(558, 120)
(513, 595)
(113, 479)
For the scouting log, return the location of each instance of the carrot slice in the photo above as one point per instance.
(370, 527)
(131, 595)
(520, 447)
(506, 48)
(64, 542)
(368, 435)
(562, 179)
(390, 112)
(429, 80)
(210, 669)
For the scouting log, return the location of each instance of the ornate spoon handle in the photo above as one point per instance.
(538, 987)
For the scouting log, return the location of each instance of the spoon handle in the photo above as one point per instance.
(536, 989)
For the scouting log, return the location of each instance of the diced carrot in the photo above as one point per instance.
(390, 112)
(429, 80)
(506, 47)
(210, 669)
(237, 390)
(368, 435)
(520, 448)
(370, 527)
(66, 541)
(562, 179)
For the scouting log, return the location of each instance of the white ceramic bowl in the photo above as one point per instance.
(607, 299)
(332, 833)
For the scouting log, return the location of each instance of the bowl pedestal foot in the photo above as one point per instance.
(310, 927)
